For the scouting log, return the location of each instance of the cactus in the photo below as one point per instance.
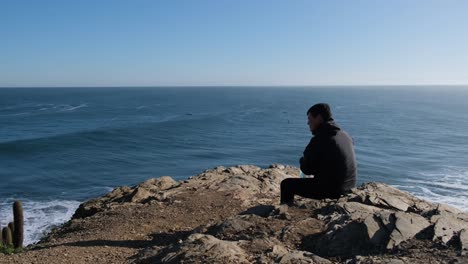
(6, 237)
(18, 235)
(11, 225)
(1, 237)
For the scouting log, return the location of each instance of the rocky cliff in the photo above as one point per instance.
(232, 215)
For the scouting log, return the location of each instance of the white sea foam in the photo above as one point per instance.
(39, 216)
(71, 107)
(448, 185)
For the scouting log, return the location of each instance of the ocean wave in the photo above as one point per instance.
(447, 185)
(458, 202)
(38, 109)
(64, 108)
(100, 134)
(39, 216)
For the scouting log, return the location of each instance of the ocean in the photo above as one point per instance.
(62, 146)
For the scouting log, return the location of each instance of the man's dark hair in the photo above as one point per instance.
(322, 109)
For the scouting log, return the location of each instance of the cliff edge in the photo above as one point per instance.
(232, 215)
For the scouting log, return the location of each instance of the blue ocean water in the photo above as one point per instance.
(61, 146)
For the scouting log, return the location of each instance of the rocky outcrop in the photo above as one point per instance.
(233, 215)
(248, 183)
(374, 220)
(152, 189)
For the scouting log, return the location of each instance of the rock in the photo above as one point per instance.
(237, 183)
(297, 256)
(374, 220)
(232, 228)
(280, 209)
(407, 226)
(356, 228)
(159, 184)
(242, 227)
(297, 230)
(249, 168)
(152, 188)
(260, 210)
(279, 250)
(379, 227)
(200, 248)
(261, 244)
(446, 226)
(377, 260)
(355, 210)
(341, 240)
(139, 195)
(388, 197)
(234, 171)
(277, 166)
(463, 237)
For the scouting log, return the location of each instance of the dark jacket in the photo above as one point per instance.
(330, 157)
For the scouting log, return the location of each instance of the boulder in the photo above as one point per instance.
(139, 195)
(388, 197)
(446, 226)
(407, 226)
(201, 248)
(365, 222)
(159, 184)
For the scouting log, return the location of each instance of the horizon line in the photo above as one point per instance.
(240, 86)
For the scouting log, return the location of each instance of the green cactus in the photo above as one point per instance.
(11, 225)
(6, 237)
(1, 237)
(18, 233)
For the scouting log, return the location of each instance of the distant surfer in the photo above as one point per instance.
(329, 158)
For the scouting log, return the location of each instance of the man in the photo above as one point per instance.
(329, 157)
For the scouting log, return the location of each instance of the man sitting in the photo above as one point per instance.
(329, 157)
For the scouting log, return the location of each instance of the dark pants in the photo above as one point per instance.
(305, 187)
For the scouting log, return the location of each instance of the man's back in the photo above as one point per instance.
(330, 157)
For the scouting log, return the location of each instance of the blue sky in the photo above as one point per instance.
(120, 43)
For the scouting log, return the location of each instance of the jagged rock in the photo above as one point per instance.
(159, 184)
(234, 170)
(464, 242)
(379, 227)
(378, 224)
(341, 240)
(139, 195)
(277, 166)
(407, 226)
(446, 226)
(300, 257)
(369, 219)
(151, 188)
(201, 248)
(249, 168)
(385, 196)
